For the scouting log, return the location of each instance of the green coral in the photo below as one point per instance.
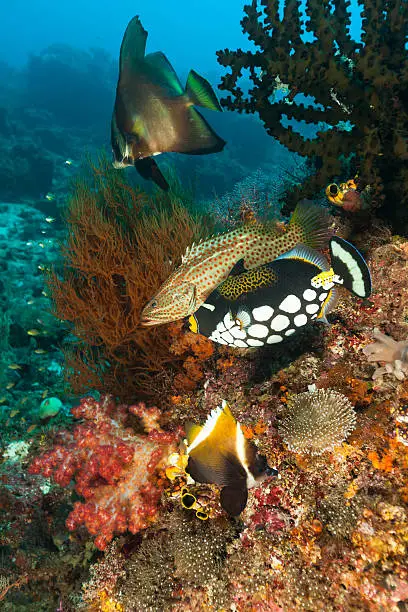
(365, 84)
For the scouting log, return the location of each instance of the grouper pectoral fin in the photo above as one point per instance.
(162, 73)
(148, 169)
(201, 93)
(238, 268)
(196, 136)
(132, 50)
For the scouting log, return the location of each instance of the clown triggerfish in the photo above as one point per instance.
(207, 264)
(219, 453)
(269, 303)
(153, 113)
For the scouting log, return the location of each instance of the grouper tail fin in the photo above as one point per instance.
(312, 223)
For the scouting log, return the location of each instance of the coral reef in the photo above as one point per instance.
(362, 85)
(102, 291)
(394, 354)
(317, 421)
(114, 469)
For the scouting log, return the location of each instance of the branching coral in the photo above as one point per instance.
(114, 469)
(388, 350)
(121, 246)
(364, 84)
(317, 421)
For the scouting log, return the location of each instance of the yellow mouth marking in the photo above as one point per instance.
(326, 279)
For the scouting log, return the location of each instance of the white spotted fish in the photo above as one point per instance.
(219, 453)
(270, 303)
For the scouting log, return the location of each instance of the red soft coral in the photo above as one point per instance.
(114, 469)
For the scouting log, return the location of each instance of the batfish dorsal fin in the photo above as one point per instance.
(132, 50)
(162, 73)
(200, 92)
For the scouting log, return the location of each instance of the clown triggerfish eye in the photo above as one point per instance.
(154, 113)
(267, 304)
(219, 453)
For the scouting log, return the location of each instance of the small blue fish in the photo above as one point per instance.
(267, 304)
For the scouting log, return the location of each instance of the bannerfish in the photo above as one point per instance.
(218, 453)
(269, 303)
(207, 264)
(153, 113)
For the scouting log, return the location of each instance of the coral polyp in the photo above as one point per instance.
(317, 421)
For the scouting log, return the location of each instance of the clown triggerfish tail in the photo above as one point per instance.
(267, 304)
(207, 264)
(219, 453)
(153, 113)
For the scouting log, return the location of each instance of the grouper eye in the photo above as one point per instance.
(153, 304)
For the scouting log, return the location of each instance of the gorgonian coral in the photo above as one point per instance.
(317, 421)
(114, 469)
(359, 91)
(122, 244)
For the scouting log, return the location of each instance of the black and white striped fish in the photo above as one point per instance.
(265, 305)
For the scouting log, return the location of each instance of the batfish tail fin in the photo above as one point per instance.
(148, 169)
(200, 92)
(348, 263)
(313, 222)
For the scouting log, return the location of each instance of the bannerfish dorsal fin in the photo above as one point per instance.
(350, 266)
(192, 431)
(200, 92)
(234, 499)
(305, 253)
(133, 48)
(162, 73)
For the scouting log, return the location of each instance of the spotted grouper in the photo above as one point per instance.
(207, 264)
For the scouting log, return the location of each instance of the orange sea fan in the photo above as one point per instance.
(122, 244)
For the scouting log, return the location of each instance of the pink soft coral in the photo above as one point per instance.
(114, 469)
(394, 354)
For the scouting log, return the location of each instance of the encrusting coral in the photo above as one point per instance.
(360, 89)
(121, 245)
(317, 421)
